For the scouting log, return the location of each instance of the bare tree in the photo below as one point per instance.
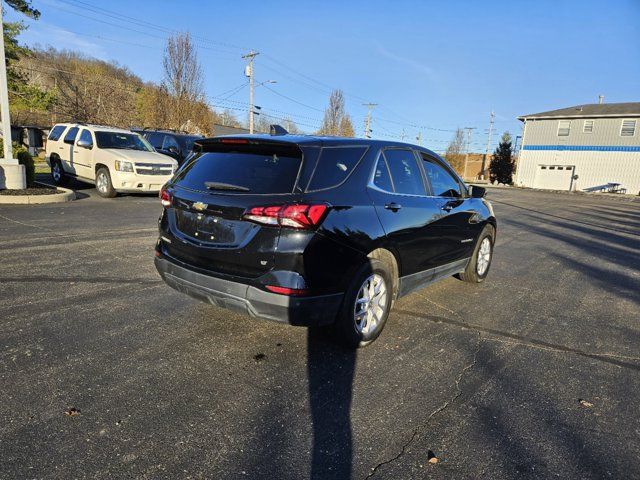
(456, 149)
(336, 120)
(183, 78)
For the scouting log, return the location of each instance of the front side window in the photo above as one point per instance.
(334, 166)
(405, 172)
(122, 140)
(564, 127)
(85, 136)
(442, 182)
(56, 132)
(628, 128)
(70, 137)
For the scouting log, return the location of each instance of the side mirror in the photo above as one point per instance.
(478, 192)
(84, 144)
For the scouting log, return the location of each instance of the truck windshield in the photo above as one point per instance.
(126, 141)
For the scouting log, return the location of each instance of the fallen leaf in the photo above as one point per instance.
(72, 411)
(433, 460)
(584, 403)
(431, 457)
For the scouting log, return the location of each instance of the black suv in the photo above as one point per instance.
(319, 230)
(174, 144)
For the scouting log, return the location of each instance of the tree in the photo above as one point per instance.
(183, 78)
(24, 6)
(456, 150)
(336, 120)
(502, 164)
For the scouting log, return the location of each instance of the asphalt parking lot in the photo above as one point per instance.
(533, 374)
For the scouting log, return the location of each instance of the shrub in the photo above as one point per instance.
(25, 158)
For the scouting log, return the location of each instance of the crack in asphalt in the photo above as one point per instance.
(438, 410)
(607, 357)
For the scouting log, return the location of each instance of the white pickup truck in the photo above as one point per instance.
(115, 160)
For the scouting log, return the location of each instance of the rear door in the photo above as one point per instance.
(211, 195)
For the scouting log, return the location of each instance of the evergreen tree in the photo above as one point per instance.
(502, 164)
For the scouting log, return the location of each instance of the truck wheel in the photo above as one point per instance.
(57, 172)
(366, 305)
(478, 266)
(103, 183)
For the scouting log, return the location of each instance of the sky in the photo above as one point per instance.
(431, 66)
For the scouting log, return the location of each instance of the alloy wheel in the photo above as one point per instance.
(484, 256)
(371, 304)
(101, 183)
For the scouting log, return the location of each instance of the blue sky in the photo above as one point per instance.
(433, 65)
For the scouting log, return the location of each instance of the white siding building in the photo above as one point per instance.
(581, 148)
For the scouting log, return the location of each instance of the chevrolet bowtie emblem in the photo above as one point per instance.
(199, 206)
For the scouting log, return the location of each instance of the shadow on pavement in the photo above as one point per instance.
(330, 369)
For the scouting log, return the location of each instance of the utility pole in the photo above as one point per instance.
(367, 122)
(402, 135)
(419, 138)
(466, 156)
(248, 71)
(486, 155)
(14, 174)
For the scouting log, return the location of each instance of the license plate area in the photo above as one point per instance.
(211, 229)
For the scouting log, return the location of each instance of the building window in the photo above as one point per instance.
(588, 126)
(628, 128)
(564, 127)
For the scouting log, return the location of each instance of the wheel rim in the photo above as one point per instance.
(101, 182)
(55, 172)
(484, 256)
(371, 304)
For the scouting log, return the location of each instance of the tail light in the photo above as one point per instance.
(301, 216)
(165, 197)
(293, 292)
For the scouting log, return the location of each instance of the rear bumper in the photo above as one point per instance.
(249, 300)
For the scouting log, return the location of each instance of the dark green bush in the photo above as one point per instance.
(25, 158)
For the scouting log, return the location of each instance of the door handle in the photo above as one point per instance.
(61, 148)
(393, 206)
(76, 151)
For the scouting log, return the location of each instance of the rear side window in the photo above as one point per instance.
(56, 132)
(70, 137)
(334, 166)
(405, 172)
(266, 169)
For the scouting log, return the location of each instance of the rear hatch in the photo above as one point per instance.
(212, 192)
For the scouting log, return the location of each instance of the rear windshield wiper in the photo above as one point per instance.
(225, 186)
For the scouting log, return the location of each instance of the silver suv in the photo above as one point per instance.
(115, 160)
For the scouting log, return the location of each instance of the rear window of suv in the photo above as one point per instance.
(260, 169)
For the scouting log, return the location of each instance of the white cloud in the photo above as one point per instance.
(46, 34)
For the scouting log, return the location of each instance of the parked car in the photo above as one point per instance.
(115, 160)
(318, 230)
(174, 144)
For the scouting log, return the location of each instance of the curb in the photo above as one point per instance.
(66, 195)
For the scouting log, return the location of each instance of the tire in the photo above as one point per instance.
(103, 183)
(480, 262)
(57, 172)
(360, 322)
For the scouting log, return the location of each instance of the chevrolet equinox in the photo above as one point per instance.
(319, 231)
